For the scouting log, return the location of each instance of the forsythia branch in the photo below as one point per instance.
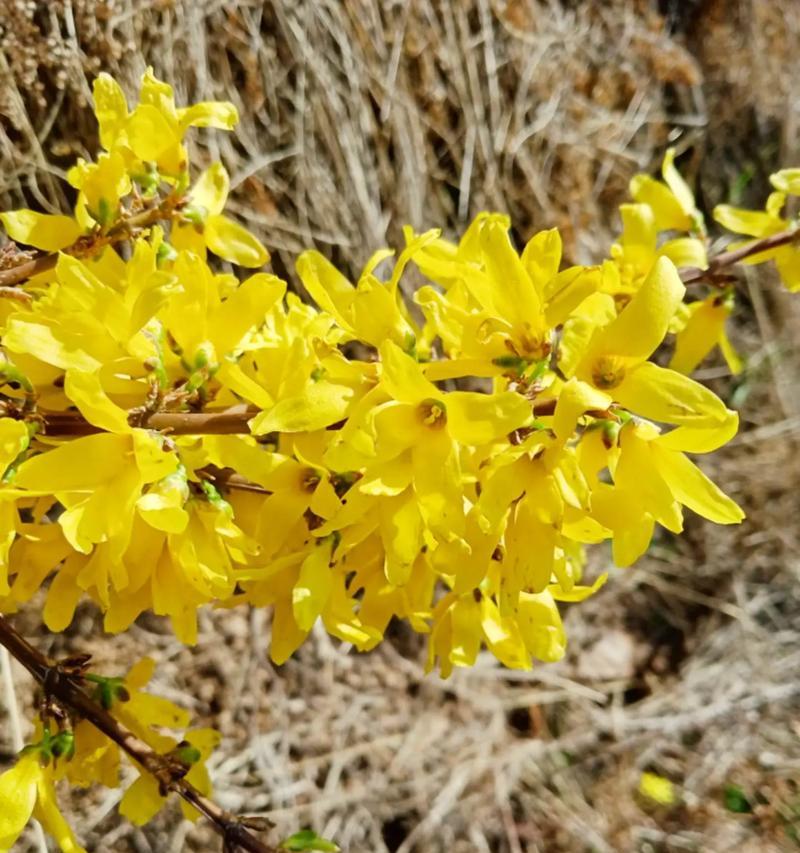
(66, 690)
(694, 275)
(122, 230)
(228, 422)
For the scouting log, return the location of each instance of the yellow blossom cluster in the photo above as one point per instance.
(174, 434)
(441, 458)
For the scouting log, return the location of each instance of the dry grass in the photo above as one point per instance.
(357, 118)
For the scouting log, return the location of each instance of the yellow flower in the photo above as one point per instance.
(27, 790)
(429, 425)
(652, 479)
(703, 329)
(672, 201)
(154, 130)
(615, 361)
(372, 311)
(207, 227)
(143, 799)
(638, 249)
(102, 185)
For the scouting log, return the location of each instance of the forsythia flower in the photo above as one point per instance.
(28, 790)
(442, 459)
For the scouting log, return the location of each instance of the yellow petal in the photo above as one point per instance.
(788, 263)
(693, 489)
(577, 593)
(657, 788)
(18, 797)
(78, 465)
(755, 223)
(639, 233)
(474, 418)
(540, 625)
(244, 309)
(314, 585)
(163, 512)
(465, 622)
(229, 240)
(222, 115)
(326, 285)
(437, 484)
(664, 395)
(47, 812)
(568, 289)
(285, 637)
(401, 533)
(786, 181)
(685, 252)
(703, 439)
(643, 323)
(321, 404)
(669, 214)
(514, 294)
(575, 399)
(150, 133)
(699, 336)
(87, 393)
(110, 108)
(680, 189)
(211, 190)
(142, 801)
(541, 257)
(42, 230)
(403, 378)
(63, 596)
(13, 440)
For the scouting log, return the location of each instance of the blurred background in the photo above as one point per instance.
(359, 117)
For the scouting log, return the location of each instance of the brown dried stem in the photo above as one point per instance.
(65, 688)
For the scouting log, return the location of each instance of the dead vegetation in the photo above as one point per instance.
(357, 118)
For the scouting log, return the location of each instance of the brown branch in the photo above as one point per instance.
(87, 244)
(65, 688)
(693, 275)
(232, 421)
(73, 424)
(228, 422)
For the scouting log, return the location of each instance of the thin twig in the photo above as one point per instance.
(67, 691)
(693, 275)
(87, 244)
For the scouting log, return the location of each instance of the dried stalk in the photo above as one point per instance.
(66, 689)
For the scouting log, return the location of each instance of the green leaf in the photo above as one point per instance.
(307, 839)
(735, 800)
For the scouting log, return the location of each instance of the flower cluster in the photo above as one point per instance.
(173, 435)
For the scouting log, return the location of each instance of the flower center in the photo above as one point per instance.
(607, 372)
(432, 413)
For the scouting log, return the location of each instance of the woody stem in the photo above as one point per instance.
(67, 691)
(122, 230)
(693, 275)
(229, 422)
